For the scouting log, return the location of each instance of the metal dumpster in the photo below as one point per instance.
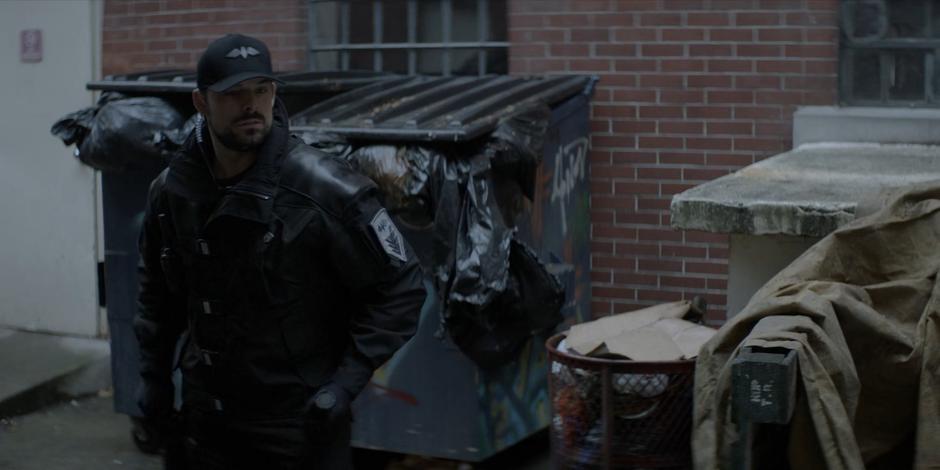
(430, 399)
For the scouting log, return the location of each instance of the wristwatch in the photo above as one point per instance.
(324, 400)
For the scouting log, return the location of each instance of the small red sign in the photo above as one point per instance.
(31, 45)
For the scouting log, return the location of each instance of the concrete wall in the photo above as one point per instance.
(689, 90)
(48, 240)
(757, 259)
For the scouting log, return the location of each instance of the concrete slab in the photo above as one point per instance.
(809, 191)
(39, 369)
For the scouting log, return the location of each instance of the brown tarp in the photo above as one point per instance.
(862, 310)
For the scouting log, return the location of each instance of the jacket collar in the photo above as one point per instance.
(252, 198)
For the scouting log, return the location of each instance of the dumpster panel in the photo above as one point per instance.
(440, 109)
(430, 399)
(300, 90)
(559, 224)
(124, 197)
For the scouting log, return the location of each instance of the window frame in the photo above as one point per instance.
(482, 45)
(886, 49)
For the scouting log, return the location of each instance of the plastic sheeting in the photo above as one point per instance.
(401, 174)
(496, 292)
(119, 133)
(861, 308)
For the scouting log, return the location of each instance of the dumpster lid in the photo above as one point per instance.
(435, 108)
(184, 81)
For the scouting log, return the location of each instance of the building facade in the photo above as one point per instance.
(689, 90)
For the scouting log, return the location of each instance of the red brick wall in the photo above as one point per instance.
(142, 35)
(690, 90)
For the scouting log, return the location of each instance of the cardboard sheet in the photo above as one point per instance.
(657, 333)
(587, 337)
(648, 343)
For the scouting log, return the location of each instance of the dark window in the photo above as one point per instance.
(438, 37)
(890, 52)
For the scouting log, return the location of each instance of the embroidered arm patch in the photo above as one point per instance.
(388, 235)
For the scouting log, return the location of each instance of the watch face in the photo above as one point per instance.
(325, 400)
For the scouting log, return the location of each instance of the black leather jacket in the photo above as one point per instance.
(288, 279)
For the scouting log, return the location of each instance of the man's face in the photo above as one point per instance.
(241, 117)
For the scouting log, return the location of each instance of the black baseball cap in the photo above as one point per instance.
(231, 59)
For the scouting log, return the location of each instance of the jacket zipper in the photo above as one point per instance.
(251, 193)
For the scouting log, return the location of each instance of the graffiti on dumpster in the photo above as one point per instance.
(514, 399)
(570, 164)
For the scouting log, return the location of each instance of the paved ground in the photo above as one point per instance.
(79, 434)
(47, 433)
(58, 367)
(87, 434)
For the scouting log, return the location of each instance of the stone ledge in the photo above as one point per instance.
(809, 191)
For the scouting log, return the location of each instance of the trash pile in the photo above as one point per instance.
(122, 133)
(465, 199)
(648, 355)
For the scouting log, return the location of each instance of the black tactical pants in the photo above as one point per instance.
(217, 442)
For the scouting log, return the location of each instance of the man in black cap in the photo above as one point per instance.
(290, 280)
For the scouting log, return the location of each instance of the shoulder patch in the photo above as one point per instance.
(388, 235)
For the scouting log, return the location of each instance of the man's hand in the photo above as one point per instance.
(327, 407)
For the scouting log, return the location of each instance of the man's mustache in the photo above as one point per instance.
(247, 117)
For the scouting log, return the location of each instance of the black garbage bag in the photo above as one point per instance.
(515, 146)
(119, 133)
(480, 246)
(496, 292)
(492, 335)
(461, 204)
(170, 141)
(74, 127)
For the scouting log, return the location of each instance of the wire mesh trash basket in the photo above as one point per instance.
(615, 413)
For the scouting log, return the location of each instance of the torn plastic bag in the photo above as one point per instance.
(530, 305)
(480, 244)
(401, 173)
(497, 294)
(119, 133)
(172, 140)
(458, 209)
(515, 146)
(327, 142)
(73, 127)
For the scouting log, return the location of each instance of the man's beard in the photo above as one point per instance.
(243, 143)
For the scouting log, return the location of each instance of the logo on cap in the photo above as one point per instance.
(244, 52)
